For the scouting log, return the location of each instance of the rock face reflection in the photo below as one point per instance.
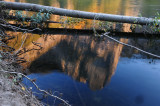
(84, 58)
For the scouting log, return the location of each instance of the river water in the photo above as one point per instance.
(91, 71)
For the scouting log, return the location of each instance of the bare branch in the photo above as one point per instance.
(106, 34)
(18, 28)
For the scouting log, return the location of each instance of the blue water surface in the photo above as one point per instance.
(135, 83)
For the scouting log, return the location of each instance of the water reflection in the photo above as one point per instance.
(87, 59)
(81, 57)
(93, 62)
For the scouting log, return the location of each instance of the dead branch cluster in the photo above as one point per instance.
(10, 63)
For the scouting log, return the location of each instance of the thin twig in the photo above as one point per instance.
(21, 43)
(18, 28)
(106, 34)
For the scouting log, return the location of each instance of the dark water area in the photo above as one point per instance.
(92, 71)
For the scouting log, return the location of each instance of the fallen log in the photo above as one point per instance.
(77, 14)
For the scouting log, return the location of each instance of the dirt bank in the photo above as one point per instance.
(14, 94)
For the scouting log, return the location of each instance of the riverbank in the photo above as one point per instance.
(13, 93)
